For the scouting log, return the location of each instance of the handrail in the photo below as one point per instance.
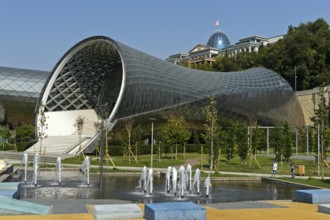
(76, 145)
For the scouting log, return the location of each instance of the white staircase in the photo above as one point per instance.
(58, 144)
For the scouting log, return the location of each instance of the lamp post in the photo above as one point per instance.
(295, 78)
(102, 108)
(152, 141)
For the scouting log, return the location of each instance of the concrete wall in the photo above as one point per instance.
(62, 123)
(309, 101)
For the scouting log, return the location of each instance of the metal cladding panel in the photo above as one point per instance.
(21, 84)
(154, 84)
(133, 83)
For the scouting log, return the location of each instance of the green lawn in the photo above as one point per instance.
(235, 165)
(143, 160)
(312, 182)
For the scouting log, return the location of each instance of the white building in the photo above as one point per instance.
(219, 45)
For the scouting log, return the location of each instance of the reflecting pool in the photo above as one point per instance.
(123, 187)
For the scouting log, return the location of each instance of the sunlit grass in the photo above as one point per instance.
(310, 181)
(235, 165)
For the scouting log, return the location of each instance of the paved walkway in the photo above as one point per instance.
(269, 210)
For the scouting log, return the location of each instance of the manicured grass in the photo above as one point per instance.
(235, 165)
(310, 181)
(143, 160)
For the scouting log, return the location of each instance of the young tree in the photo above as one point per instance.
(177, 132)
(128, 123)
(259, 140)
(211, 127)
(97, 126)
(321, 122)
(4, 135)
(230, 143)
(136, 137)
(43, 126)
(241, 140)
(24, 133)
(277, 142)
(79, 125)
(287, 141)
(4, 132)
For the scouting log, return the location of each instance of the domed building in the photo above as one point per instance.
(219, 45)
(218, 40)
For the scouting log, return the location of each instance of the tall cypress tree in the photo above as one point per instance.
(286, 141)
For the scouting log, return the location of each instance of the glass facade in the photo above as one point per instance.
(99, 70)
(19, 92)
(22, 84)
(218, 40)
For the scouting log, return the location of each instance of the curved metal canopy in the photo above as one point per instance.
(100, 70)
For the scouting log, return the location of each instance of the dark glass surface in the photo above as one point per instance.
(22, 84)
(95, 70)
(19, 92)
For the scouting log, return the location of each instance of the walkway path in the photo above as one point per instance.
(270, 210)
(192, 162)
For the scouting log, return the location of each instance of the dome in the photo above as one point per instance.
(218, 40)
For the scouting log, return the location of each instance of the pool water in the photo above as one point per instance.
(123, 187)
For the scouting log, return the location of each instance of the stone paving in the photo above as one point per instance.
(269, 210)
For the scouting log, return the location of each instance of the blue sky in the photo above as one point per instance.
(35, 34)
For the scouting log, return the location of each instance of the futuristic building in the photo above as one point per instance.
(19, 92)
(100, 77)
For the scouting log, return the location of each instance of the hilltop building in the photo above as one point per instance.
(219, 45)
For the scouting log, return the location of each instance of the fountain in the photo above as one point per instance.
(58, 170)
(142, 184)
(146, 181)
(35, 168)
(25, 162)
(168, 180)
(174, 180)
(182, 181)
(189, 174)
(222, 191)
(150, 184)
(208, 186)
(84, 171)
(196, 182)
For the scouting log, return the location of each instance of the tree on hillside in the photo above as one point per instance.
(304, 52)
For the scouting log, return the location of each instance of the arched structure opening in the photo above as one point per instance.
(88, 76)
(99, 71)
